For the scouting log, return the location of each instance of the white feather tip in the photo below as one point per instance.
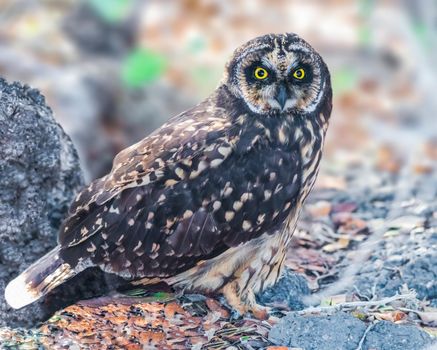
(17, 293)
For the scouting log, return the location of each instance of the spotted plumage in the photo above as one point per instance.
(209, 201)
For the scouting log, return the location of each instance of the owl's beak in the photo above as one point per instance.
(281, 96)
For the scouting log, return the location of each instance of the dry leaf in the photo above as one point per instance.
(431, 330)
(319, 209)
(388, 160)
(430, 149)
(428, 317)
(392, 316)
(342, 243)
(347, 207)
(352, 226)
(423, 168)
(171, 309)
(214, 306)
(332, 182)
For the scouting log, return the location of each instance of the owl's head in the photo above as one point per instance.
(278, 74)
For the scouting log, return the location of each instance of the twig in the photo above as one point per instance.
(360, 344)
(356, 304)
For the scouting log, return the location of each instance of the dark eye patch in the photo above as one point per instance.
(308, 74)
(249, 72)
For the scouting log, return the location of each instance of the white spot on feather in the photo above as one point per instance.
(237, 205)
(216, 162)
(187, 214)
(180, 173)
(216, 205)
(91, 248)
(224, 151)
(138, 246)
(246, 225)
(229, 215)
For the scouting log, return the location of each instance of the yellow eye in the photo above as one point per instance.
(299, 73)
(261, 73)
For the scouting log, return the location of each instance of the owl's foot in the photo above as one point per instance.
(244, 303)
(260, 312)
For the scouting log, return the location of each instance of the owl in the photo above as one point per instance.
(209, 201)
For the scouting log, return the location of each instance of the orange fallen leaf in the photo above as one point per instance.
(352, 226)
(388, 160)
(214, 306)
(422, 168)
(171, 309)
(392, 316)
(430, 149)
(319, 209)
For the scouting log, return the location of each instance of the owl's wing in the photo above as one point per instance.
(152, 159)
(158, 230)
(180, 150)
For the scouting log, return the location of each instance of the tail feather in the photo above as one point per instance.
(38, 279)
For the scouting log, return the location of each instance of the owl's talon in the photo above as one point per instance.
(260, 312)
(235, 315)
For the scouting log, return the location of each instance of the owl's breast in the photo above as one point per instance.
(257, 190)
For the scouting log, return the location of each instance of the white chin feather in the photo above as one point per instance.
(291, 102)
(17, 293)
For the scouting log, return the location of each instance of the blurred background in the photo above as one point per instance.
(114, 70)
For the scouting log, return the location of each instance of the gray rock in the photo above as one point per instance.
(389, 336)
(94, 34)
(39, 175)
(289, 290)
(339, 331)
(412, 263)
(344, 332)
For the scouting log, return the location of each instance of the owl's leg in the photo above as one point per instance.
(244, 301)
(259, 311)
(230, 292)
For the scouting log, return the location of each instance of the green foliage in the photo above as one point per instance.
(343, 79)
(138, 292)
(141, 67)
(422, 34)
(197, 44)
(146, 296)
(366, 8)
(162, 296)
(112, 10)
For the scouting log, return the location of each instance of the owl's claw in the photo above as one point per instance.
(260, 312)
(235, 315)
(242, 304)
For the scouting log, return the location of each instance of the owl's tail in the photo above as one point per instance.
(38, 279)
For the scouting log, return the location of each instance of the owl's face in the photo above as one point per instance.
(278, 74)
